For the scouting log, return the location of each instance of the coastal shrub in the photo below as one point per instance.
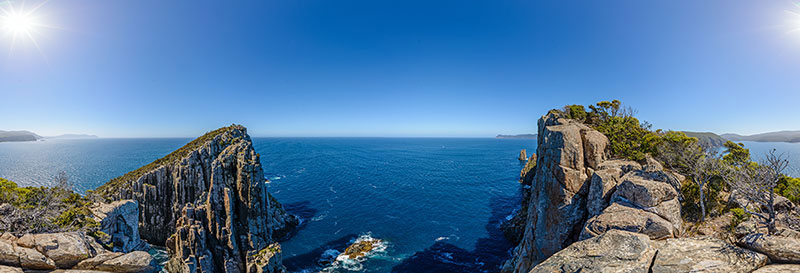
(735, 154)
(628, 137)
(789, 187)
(738, 216)
(44, 209)
(715, 201)
(576, 112)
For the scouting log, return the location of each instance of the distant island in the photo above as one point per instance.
(18, 136)
(71, 136)
(717, 140)
(521, 136)
(782, 136)
(9, 136)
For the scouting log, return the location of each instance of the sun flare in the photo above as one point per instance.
(20, 24)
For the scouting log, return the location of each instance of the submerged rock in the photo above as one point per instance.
(360, 248)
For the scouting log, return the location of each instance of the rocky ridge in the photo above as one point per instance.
(208, 204)
(587, 213)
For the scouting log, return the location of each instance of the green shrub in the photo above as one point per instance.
(789, 187)
(628, 138)
(76, 218)
(738, 215)
(715, 203)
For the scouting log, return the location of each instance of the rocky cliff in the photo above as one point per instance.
(572, 188)
(208, 204)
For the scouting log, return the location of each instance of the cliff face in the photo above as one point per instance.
(208, 204)
(574, 182)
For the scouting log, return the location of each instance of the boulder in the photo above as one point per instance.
(9, 269)
(621, 217)
(643, 192)
(31, 259)
(65, 249)
(705, 254)
(8, 256)
(595, 146)
(8, 238)
(26, 241)
(777, 248)
(603, 182)
(646, 191)
(93, 262)
(614, 251)
(782, 204)
(133, 262)
(120, 220)
(779, 268)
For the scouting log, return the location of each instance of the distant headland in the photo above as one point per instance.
(520, 136)
(17, 136)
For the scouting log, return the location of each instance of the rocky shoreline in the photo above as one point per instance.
(206, 203)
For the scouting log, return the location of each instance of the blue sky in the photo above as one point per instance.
(397, 68)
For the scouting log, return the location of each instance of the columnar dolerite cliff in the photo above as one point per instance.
(208, 204)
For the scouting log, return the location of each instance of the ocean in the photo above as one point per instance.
(436, 203)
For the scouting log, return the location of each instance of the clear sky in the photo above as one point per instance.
(396, 68)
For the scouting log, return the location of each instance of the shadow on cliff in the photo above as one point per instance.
(315, 259)
(488, 256)
(303, 211)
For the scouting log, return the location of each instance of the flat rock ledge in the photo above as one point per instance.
(630, 252)
(778, 248)
(68, 251)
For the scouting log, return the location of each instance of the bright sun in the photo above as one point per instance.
(20, 23)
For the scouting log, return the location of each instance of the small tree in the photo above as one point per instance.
(756, 184)
(701, 163)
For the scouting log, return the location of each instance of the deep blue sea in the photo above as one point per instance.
(435, 202)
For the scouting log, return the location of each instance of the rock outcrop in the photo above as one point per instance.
(207, 203)
(578, 193)
(120, 220)
(778, 248)
(522, 155)
(779, 268)
(69, 250)
(557, 203)
(614, 251)
(705, 254)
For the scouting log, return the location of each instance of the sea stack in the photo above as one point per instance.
(207, 203)
(522, 155)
